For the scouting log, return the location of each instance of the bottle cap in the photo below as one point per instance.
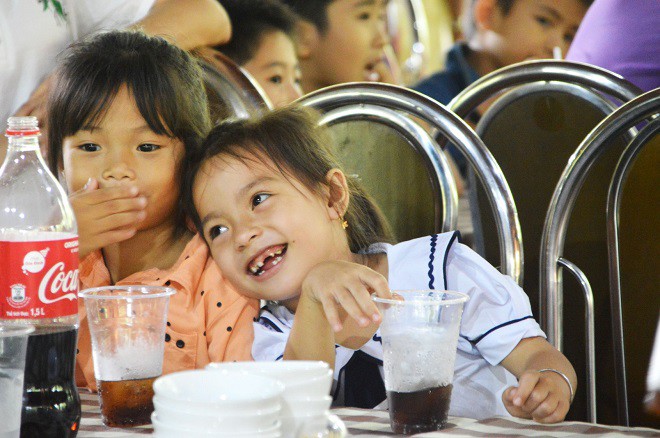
(22, 126)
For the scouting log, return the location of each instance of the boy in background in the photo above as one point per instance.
(341, 41)
(499, 33)
(263, 43)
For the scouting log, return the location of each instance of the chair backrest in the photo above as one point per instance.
(532, 130)
(415, 105)
(592, 149)
(231, 90)
(633, 228)
(574, 102)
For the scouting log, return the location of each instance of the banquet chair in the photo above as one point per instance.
(231, 90)
(632, 225)
(540, 113)
(370, 102)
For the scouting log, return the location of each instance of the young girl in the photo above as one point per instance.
(285, 224)
(126, 111)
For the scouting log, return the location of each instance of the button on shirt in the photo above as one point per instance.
(207, 320)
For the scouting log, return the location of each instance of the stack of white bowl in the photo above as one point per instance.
(307, 384)
(203, 403)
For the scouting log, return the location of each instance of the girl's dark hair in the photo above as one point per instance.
(314, 11)
(251, 20)
(165, 81)
(292, 139)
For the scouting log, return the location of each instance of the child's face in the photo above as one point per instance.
(532, 29)
(352, 44)
(265, 232)
(122, 149)
(275, 67)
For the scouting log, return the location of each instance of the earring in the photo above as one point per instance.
(344, 223)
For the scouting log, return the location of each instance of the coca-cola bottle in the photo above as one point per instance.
(39, 281)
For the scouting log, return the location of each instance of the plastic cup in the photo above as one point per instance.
(127, 326)
(420, 334)
(13, 344)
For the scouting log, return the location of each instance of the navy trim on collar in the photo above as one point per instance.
(455, 237)
(270, 324)
(434, 239)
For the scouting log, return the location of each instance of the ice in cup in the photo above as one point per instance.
(127, 326)
(419, 330)
(13, 344)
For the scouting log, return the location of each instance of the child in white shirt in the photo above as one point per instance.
(285, 224)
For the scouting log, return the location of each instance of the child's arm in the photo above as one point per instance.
(543, 396)
(105, 216)
(319, 324)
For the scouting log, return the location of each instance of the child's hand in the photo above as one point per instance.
(544, 397)
(348, 285)
(106, 216)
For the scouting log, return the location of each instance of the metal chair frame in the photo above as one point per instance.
(621, 121)
(456, 131)
(235, 85)
(548, 71)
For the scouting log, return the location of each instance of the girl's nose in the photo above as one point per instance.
(382, 38)
(118, 169)
(293, 92)
(245, 234)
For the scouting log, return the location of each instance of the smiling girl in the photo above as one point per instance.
(285, 224)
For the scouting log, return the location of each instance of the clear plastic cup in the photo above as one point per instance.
(420, 335)
(13, 344)
(127, 326)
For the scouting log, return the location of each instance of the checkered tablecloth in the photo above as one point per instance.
(373, 423)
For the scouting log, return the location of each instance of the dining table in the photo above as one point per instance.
(375, 423)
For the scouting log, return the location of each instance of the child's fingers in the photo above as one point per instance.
(330, 310)
(526, 385)
(376, 283)
(557, 415)
(106, 194)
(507, 398)
(349, 300)
(545, 409)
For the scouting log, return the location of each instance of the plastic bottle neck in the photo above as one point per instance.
(24, 143)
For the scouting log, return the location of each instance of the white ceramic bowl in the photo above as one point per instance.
(316, 387)
(164, 429)
(291, 425)
(211, 410)
(303, 406)
(255, 422)
(233, 391)
(288, 371)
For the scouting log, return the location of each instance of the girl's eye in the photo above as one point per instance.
(543, 21)
(216, 231)
(148, 147)
(89, 147)
(277, 79)
(364, 16)
(259, 198)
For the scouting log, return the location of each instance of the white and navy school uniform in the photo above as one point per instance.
(358, 374)
(495, 319)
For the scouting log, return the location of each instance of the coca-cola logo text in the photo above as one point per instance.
(57, 281)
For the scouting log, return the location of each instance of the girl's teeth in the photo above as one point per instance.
(277, 260)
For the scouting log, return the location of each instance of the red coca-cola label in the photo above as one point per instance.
(39, 279)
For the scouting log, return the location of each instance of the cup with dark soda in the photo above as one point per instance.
(419, 330)
(127, 326)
